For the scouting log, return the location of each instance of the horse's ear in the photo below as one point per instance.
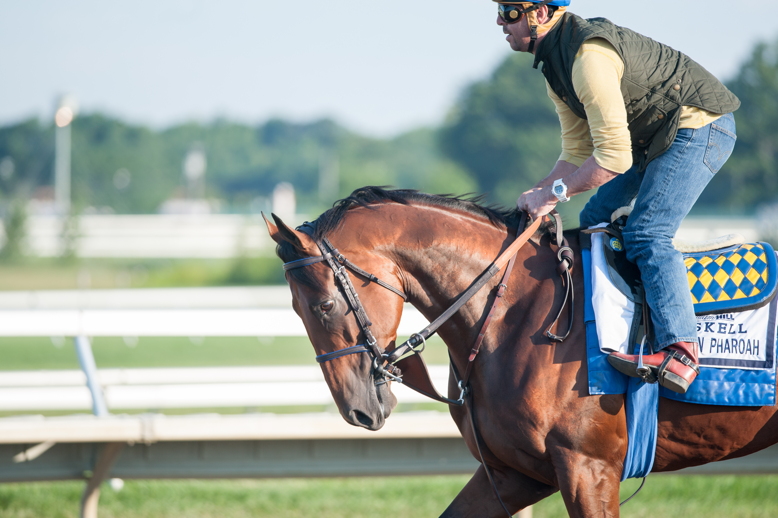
(281, 233)
(272, 229)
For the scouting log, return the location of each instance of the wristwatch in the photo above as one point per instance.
(560, 190)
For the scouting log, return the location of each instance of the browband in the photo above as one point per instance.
(354, 349)
(306, 261)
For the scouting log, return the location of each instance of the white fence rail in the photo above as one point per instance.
(152, 445)
(227, 235)
(152, 235)
(180, 388)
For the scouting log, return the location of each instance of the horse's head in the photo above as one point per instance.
(334, 312)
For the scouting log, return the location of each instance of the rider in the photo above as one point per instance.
(642, 122)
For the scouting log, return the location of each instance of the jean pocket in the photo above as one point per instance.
(720, 145)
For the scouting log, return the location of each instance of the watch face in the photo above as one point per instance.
(558, 189)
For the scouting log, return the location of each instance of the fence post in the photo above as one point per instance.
(87, 361)
(105, 461)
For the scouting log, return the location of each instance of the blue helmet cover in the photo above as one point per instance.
(557, 3)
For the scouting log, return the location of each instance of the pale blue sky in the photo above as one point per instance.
(377, 67)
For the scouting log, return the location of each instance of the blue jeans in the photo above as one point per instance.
(664, 194)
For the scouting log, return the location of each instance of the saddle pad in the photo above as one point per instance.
(751, 383)
(731, 279)
(746, 380)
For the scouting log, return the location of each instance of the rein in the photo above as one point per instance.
(385, 363)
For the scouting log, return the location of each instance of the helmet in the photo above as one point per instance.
(556, 3)
(530, 10)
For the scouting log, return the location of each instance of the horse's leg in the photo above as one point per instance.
(589, 487)
(477, 498)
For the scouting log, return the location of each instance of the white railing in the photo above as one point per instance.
(42, 447)
(227, 235)
(86, 314)
(179, 388)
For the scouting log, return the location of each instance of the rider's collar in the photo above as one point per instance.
(548, 42)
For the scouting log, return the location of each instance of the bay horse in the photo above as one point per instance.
(539, 430)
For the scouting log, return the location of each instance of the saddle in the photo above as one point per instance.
(725, 275)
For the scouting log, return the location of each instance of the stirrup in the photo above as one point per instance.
(642, 371)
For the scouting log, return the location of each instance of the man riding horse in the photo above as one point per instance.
(642, 122)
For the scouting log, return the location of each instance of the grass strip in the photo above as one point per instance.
(409, 497)
(59, 353)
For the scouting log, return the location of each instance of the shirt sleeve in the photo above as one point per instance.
(576, 141)
(596, 75)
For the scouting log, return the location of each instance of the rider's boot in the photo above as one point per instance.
(675, 367)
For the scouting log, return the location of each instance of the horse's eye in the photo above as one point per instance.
(326, 307)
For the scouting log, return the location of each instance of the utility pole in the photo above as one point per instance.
(66, 112)
(329, 177)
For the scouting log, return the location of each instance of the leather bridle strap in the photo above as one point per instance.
(305, 261)
(334, 355)
(308, 261)
(327, 251)
(359, 271)
(501, 261)
(566, 258)
(497, 298)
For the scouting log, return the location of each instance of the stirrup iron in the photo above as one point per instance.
(642, 371)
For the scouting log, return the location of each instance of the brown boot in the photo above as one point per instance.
(675, 367)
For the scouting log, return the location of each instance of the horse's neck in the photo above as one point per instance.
(442, 258)
(445, 269)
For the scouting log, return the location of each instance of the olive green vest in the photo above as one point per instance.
(657, 81)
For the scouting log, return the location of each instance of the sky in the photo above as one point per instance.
(379, 68)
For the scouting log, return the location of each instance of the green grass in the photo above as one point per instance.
(56, 274)
(45, 353)
(409, 497)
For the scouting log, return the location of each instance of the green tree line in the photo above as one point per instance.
(499, 138)
(134, 169)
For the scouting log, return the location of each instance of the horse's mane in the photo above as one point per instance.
(371, 196)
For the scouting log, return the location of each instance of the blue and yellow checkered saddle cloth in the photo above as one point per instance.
(736, 278)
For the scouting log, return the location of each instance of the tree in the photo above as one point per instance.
(504, 130)
(750, 177)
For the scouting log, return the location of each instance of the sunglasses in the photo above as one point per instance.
(509, 13)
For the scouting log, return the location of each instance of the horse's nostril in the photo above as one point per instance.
(363, 419)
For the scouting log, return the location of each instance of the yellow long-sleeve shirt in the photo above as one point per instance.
(596, 75)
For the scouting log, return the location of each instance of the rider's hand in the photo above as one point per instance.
(538, 201)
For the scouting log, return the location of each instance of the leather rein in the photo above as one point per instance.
(384, 363)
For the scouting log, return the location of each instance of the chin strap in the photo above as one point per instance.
(533, 37)
(532, 19)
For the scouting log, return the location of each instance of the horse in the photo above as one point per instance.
(535, 427)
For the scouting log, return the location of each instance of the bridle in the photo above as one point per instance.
(384, 363)
(339, 264)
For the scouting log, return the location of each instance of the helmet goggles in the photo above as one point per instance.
(510, 13)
